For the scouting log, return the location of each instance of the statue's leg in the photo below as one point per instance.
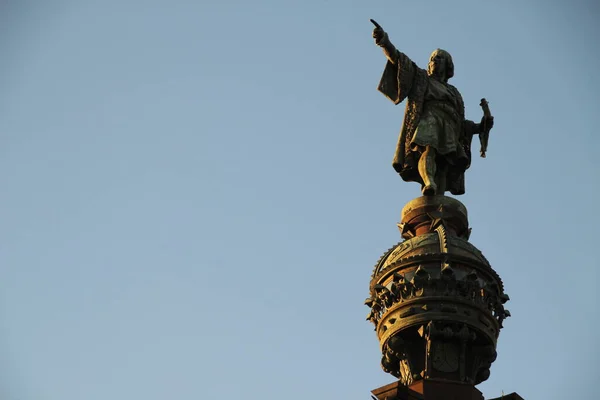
(427, 169)
(441, 177)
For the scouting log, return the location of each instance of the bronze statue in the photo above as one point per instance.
(434, 146)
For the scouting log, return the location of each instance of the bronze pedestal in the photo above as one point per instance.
(436, 303)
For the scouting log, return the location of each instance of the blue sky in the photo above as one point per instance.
(194, 193)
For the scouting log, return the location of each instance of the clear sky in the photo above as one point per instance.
(193, 193)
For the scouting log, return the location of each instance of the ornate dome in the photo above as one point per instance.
(432, 294)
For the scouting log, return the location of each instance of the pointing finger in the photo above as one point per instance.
(375, 23)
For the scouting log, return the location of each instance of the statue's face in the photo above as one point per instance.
(437, 64)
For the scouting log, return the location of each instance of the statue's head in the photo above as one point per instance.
(441, 65)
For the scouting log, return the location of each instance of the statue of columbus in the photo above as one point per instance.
(434, 146)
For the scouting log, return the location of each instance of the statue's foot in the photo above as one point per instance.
(429, 190)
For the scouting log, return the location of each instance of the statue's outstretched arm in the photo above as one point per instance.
(382, 40)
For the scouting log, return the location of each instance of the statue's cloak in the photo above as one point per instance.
(404, 79)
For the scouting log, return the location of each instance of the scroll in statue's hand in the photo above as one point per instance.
(378, 33)
(486, 124)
